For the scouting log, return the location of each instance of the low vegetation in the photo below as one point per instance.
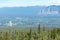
(39, 33)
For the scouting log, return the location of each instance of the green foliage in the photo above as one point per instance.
(38, 29)
(38, 34)
(53, 33)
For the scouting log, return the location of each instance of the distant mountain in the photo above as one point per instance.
(52, 9)
(19, 11)
(33, 11)
(18, 16)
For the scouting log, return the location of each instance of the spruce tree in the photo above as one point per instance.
(0, 35)
(53, 33)
(39, 29)
(6, 36)
(30, 34)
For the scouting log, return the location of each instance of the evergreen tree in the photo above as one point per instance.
(39, 29)
(30, 35)
(16, 35)
(0, 35)
(53, 33)
(12, 36)
(6, 36)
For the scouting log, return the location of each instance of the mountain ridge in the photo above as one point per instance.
(30, 11)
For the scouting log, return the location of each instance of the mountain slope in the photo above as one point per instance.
(44, 15)
(34, 11)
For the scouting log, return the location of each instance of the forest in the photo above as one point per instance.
(38, 33)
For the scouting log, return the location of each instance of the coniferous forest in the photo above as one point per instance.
(39, 33)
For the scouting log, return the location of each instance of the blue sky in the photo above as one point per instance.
(24, 3)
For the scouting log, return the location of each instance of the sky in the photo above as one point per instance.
(25, 3)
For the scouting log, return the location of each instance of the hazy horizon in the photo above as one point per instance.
(25, 3)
